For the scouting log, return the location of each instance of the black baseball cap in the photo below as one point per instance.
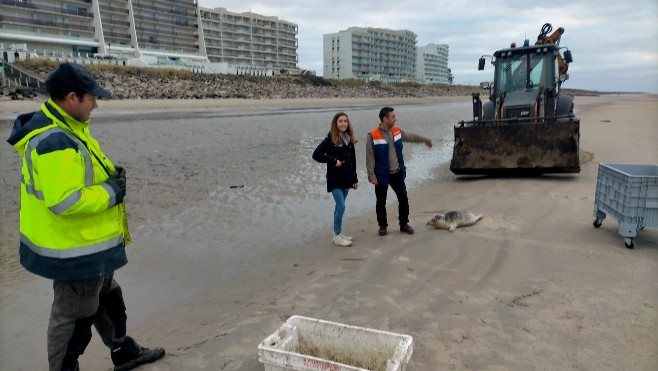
(68, 77)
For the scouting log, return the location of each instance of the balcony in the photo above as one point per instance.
(168, 43)
(121, 37)
(179, 3)
(47, 8)
(115, 22)
(22, 21)
(162, 24)
(150, 9)
(158, 31)
(113, 9)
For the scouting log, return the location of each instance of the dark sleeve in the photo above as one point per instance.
(370, 158)
(322, 152)
(354, 176)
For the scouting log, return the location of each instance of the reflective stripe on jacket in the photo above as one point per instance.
(71, 226)
(381, 152)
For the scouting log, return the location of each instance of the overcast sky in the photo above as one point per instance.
(614, 45)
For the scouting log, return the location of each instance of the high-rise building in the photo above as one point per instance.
(249, 40)
(370, 54)
(161, 26)
(56, 25)
(433, 64)
(158, 30)
(150, 32)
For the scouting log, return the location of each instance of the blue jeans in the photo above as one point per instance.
(340, 194)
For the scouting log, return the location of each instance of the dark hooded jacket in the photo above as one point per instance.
(328, 153)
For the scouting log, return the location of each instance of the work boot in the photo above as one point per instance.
(406, 229)
(70, 363)
(382, 231)
(130, 355)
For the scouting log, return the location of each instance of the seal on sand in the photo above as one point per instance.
(453, 219)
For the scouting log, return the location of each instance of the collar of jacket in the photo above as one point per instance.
(63, 119)
(79, 129)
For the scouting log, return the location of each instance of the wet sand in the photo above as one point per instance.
(214, 269)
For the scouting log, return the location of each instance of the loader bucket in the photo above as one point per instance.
(516, 148)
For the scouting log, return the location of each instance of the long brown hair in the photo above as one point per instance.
(335, 133)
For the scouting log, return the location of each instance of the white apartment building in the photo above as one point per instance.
(250, 41)
(142, 31)
(433, 64)
(370, 54)
(149, 32)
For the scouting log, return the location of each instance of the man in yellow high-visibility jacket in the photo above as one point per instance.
(73, 225)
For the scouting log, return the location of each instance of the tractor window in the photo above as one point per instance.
(513, 74)
(536, 73)
(554, 73)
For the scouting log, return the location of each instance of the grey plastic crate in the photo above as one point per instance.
(629, 193)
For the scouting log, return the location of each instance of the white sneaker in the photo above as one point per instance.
(340, 241)
(349, 238)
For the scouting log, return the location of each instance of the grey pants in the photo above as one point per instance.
(78, 305)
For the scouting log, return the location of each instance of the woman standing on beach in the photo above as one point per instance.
(337, 151)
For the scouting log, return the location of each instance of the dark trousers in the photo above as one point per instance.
(78, 305)
(396, 181)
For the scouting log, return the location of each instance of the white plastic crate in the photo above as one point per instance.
(309, 344)
(629, 193)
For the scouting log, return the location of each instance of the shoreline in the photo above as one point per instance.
(12, 108)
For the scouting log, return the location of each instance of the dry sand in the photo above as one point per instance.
(533, 286)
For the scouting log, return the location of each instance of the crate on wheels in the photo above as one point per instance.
(629, 193)
(310, 344)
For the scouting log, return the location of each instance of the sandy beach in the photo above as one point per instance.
(231, 228)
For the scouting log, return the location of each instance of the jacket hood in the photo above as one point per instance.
(25, 127)
(30, 124)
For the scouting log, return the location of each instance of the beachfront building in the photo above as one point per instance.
(370, 54)
(171, 33)
(143, 32)
(60, 27)
(432, 62)
(250, 42)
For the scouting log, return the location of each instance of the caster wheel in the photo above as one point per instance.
(629, 243)
(597, 222)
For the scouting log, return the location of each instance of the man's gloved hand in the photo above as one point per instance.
(119, 187)
(119, 173)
